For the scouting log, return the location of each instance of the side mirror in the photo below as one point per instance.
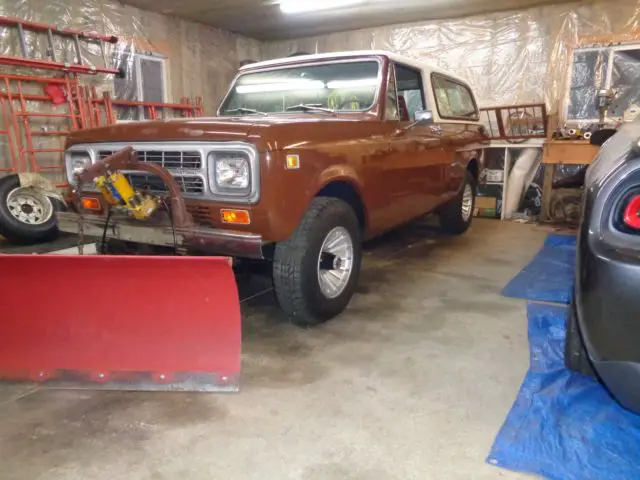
(423, 116)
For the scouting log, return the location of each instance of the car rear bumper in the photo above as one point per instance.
(209, 240)
(607, 302)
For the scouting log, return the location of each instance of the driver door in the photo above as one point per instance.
(417, 151)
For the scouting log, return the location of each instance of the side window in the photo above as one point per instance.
(410, 92)
(453, 99)
(606, 67)
(144, 82)
(391, 112)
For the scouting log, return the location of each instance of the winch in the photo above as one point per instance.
(119, 192)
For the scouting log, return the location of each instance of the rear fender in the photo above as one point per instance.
(462, 161)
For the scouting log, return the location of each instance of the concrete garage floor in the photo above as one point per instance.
(413, 382)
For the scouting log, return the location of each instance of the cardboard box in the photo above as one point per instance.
(487, 202)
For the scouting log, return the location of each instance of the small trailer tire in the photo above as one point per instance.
(27, 216)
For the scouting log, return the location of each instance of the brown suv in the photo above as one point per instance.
(308, 157)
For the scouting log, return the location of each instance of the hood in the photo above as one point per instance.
(264, 131)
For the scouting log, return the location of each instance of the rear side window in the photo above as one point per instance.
(454, 100)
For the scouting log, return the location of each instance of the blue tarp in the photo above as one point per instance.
(549, 276)
(563, 425)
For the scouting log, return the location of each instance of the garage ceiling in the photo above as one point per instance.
(263, 20)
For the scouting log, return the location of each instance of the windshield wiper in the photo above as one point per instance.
(310, 107)
(245, 110)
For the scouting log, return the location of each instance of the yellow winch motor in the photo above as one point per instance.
(117, 190)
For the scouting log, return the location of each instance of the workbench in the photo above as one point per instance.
(561, 152)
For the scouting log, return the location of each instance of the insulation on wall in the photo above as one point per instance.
(509, 58)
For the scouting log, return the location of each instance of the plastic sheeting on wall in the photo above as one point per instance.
(509, 58)
(199, 60)
(176, 58)
(512, 57)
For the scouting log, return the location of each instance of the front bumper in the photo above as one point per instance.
(208, 240)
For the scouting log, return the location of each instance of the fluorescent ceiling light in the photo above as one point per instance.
(301, 6)
(306, 85)
(281, 87)
(360, 82)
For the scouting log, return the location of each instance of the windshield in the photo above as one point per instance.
(348, 86)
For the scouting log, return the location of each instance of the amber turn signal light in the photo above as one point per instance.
(293, 162)
(238, 217)
(91, 203)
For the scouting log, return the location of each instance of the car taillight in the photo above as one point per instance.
(631, 215)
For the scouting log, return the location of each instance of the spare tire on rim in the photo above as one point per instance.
(27, 215)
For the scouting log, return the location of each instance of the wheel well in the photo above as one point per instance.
(349, 194)
(473, 168)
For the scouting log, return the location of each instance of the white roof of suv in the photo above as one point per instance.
(408, 61)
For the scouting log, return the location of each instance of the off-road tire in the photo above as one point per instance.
(21, 233)
(295, 263)
(452, 220)
(575, 353)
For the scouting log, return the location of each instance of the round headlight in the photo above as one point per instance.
(232, 172)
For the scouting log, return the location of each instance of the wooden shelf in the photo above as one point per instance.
(569, 152)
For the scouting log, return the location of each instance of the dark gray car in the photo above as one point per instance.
(604, 330)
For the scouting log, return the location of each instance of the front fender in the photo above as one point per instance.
(339, 173)
(284, 206)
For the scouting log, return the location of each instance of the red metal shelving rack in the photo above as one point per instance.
(52, 63)
(184, 109)
(20, 118)
(21, 109)
(14, 164)
(83, 108)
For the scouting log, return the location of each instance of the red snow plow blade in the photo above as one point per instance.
(119, 322)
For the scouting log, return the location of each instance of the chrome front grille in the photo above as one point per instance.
(190, 163)
(154, 184)
(176, 161)
(183, 159)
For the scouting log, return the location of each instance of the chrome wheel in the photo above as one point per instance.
(335, 262)
(28, 206)
(467, 202)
